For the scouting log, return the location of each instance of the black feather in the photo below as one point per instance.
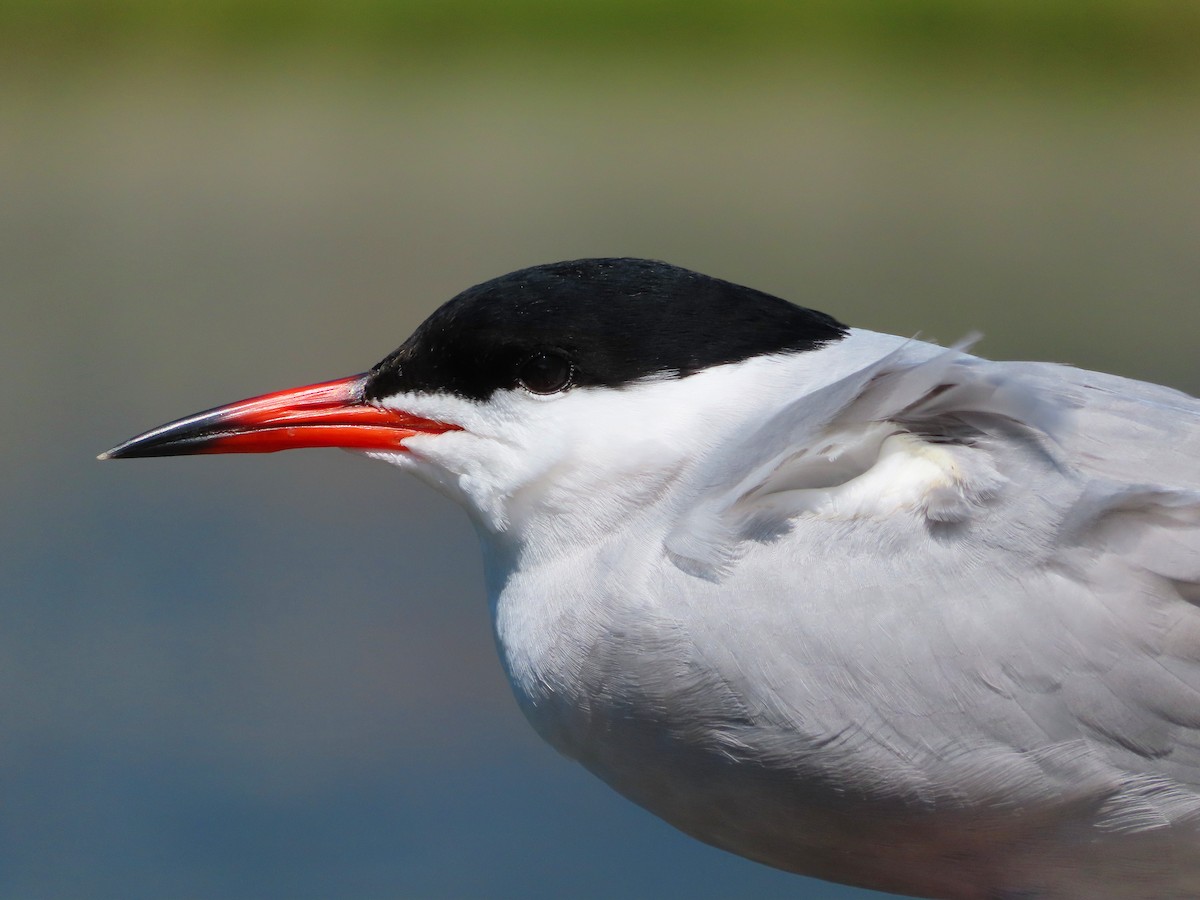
(616, 320)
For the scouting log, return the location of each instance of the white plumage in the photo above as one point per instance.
(885, 613)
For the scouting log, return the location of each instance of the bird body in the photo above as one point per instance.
(848, 604)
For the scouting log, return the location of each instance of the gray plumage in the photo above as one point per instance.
(991, 690)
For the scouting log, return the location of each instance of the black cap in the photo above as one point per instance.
(593, 322)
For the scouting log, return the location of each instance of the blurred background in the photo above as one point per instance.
(260, 677)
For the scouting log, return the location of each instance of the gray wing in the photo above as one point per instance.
(1036, 633)
(1127, 545)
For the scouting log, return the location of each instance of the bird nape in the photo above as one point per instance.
(847, 604)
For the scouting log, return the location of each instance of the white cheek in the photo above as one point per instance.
(438, 407)
(479, 471)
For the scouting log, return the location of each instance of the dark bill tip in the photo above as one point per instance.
(330, 414)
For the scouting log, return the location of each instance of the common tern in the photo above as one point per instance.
(849, 604)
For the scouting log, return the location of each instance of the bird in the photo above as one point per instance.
(849, 604)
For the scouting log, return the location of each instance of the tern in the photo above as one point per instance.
(848, 604)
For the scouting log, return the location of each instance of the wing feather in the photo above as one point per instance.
(1056, 606)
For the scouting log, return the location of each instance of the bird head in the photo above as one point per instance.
(583, 382)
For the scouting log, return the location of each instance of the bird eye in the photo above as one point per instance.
(545, 372)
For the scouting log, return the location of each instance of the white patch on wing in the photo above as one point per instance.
(941, 482)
